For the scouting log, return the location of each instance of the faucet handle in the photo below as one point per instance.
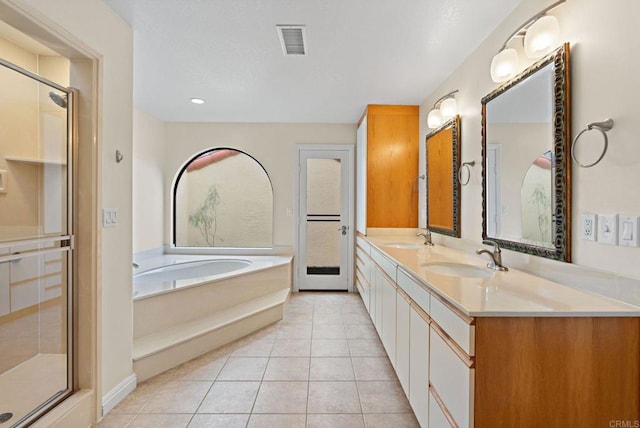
(494, 244)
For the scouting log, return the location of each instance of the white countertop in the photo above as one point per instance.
(511, 293)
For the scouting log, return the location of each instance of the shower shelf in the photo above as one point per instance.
(34, 160)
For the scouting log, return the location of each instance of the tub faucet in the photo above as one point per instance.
(136, 265)
(427, 237)
(496, 256)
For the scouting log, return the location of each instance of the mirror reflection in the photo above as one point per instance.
(526, 168)
(443, 188)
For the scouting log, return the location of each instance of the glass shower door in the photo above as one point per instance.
(35, 245)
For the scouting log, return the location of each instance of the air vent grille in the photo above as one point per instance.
(293, 39)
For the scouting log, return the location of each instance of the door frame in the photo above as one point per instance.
(350, 148)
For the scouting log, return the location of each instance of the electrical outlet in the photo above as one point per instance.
(628, 231)
(608, 229)
(588, 226)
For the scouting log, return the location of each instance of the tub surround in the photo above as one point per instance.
(174, 325)
(511, 349)
(145, 289)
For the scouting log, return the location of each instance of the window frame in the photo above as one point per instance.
(174, 190)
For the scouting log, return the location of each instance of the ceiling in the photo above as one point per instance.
(359, 52)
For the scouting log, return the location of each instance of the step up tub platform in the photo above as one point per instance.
(185, 306)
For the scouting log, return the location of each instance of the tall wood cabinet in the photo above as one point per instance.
(387, 167)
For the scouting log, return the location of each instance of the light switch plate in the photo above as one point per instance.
(109, 217)
(588, 226)
(608, 229)
(628, 231)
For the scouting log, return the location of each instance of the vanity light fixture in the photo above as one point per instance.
(197, 100)
(541, 34)
(444, 109)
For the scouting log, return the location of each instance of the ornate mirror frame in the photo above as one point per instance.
(433, 175)
(561, 120)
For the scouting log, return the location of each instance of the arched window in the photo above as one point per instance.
(223, 198)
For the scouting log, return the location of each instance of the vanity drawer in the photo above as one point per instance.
(363, 244)
(385, 264)
(452, 377)
(437, 415)
(459, 329)
(415, 291)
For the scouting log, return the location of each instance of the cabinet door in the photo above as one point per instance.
(452, 379)
(437, 418)
(419, 365)
(403, 314)
(389, 318)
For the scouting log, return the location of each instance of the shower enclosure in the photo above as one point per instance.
(36, 245)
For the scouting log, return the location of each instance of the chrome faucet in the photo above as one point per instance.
(496, 256)
(427, 237)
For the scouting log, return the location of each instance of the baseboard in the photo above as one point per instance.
(117, 394)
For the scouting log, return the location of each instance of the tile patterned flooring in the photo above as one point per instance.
(321, 366)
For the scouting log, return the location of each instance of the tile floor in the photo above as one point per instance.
(322, 366)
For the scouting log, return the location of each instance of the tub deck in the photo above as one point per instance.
(172, 326)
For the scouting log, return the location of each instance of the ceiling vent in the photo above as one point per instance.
(293, 39)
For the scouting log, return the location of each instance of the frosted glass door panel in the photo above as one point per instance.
(323, 216)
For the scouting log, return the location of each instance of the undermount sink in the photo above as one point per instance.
(459, 270)
(408, 245)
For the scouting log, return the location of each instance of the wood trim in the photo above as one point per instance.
(363, 277)
(387, 277)
(404, 295)
(464, 357)
(466, 318)
(416, 307)
(443, 407)
(556, 371)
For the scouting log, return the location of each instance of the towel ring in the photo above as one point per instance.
(603, 127)
(467, 166)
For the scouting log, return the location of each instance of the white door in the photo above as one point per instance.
(325, 218)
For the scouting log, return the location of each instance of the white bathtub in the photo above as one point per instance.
(168, 272)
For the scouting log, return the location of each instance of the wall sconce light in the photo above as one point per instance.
(541, 34)
(444, 109)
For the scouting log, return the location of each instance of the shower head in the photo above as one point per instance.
(61, 101)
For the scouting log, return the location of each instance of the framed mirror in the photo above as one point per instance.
(526, 204)
(443, 188)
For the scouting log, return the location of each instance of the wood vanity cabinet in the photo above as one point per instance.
(387, 167)
(492, 372)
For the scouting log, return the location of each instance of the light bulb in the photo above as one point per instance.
(448, 108)
(542, 37)
(434, 118)
(504, 65)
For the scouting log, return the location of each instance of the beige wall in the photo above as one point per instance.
(148, 181)
(273, 145)
(603, 84)
(98, 30)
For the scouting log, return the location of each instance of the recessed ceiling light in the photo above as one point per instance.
(197, 100)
